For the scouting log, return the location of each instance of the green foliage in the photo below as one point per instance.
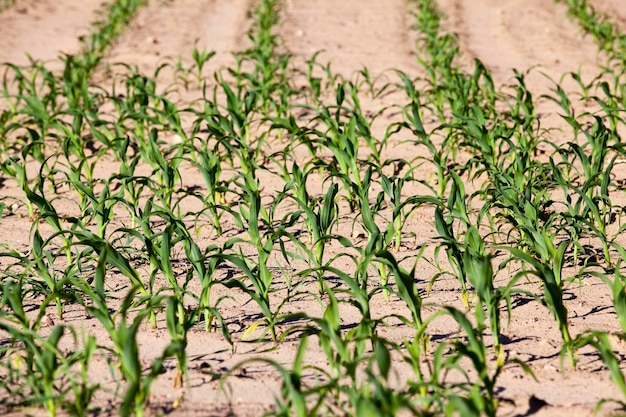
(263, 135)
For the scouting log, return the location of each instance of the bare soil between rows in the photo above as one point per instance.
(352, 34)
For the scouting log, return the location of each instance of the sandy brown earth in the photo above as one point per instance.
(352, 34)
(521, 35)
(45, 29)
(172, 29)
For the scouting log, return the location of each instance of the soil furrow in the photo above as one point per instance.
(509, 34)
(44, 29)
(171, 29)
(352, 33)
(614, 9)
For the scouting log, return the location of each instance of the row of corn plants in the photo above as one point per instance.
(599, 26)
(519, 186)
(515, 219)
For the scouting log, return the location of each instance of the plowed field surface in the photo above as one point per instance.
(351, 35)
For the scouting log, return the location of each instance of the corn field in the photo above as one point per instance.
(257, 224)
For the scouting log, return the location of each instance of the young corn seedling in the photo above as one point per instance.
(178, 326)
(166, 172)
(524, 214)
(75, 85)
(563, 100)
(39, 110)
(314, 83)
(445, 225)
(343, 141)
(100, 208)
(54, 284)
(344, 351)
(37, 370)
(363, 124)
(487, 144)
(29, 91)
(232, 134)
(479, 397)
(47, 211)
(377, 240)
(600, 341)
(591, 216)
(618, 288)
(158, 246)
(200, 59)
(236, 124)
(350, 349)
(549, 268)
(431, 391)
(439, 156)
(41, 365)
(16, 169)
(203, 265)
(402, 208)
(210, 166)
(261, 279)
(405, 285)
(319, 220)
(377, 396)
(167, 115)
(253, 217)
(480, 275)
(472, 393)
(83, 389)
(611, 104)
(135, 111)
(123, 334)
(593, 206)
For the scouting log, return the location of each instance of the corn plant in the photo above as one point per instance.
(481, 276)
(457, 211)
(319, 220)
(600, 341)
(402, 207)
(126, 349)
(253, 217)
(480, 396)
(618, 288)
(41, 364)
(593, 206)
(549, 270)
(37, 370)
(345, 164)
(405, 285)
(210, 166)
(381, 240)
(54, 284)
(261, 279)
